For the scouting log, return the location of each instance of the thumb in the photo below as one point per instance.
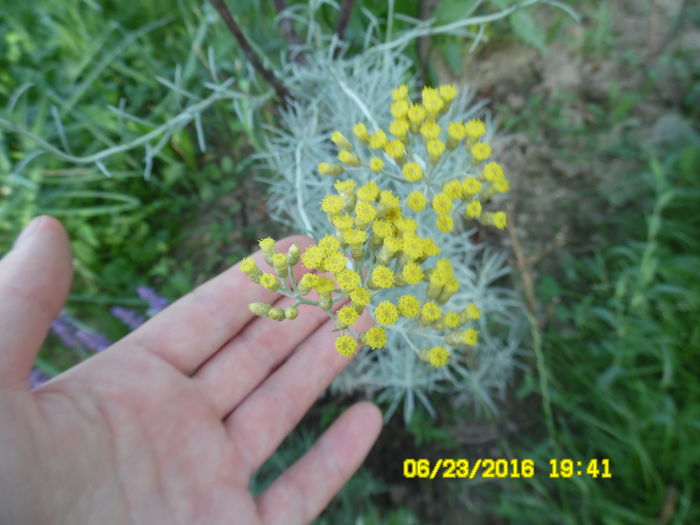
(35, 278)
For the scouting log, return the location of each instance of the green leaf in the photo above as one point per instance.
(526, 29)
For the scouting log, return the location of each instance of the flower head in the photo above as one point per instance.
(375, 337)
(345, 345)
(386, 313)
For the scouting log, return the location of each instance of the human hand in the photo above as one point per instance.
(168, 424)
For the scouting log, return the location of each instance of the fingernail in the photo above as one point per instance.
(28, 231)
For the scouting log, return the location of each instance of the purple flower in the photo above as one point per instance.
(65, 331)
(130, 318)
(36, 378)
(156, 303)
(93, 341)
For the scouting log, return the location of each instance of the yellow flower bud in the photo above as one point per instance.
(260, 309)
(291, 312)
(276, 314)
(339, 140)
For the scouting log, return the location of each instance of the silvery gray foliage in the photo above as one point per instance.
(334, 94)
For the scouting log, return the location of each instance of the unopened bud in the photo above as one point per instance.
(293, 255)
(276, 313)
(325, 301)
(260, 309)
(291, 312)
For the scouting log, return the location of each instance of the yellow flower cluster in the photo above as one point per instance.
(375, 244)
(423, 127)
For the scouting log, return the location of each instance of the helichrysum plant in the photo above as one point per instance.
(376, 244)
(391, 187)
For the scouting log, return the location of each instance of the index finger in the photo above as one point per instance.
(192, 329)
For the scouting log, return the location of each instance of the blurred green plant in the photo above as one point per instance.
(620, 369)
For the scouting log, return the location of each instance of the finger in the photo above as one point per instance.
(193, 328)
(35, 279)
(303, 491)
(245, 361)
(267, 415)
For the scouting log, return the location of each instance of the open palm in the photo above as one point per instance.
(168, 424)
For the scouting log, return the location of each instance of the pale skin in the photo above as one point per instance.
(168, 424)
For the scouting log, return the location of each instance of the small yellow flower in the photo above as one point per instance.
(360, 296)
(392, 245)
(382, 277)
(430, 312)
(412, 172)
(396, 150)
(430, 130)
(469, 337)
(473, 209)
(445, 223)
(335, 262)
(347, 315)
(501, 185)
(269, 282)
(453, 189)
(343, 222)
(438, 356)
(364, 214)
(400, 92)
(412, 246)
(312, 257)
(399, 109)
(332, 204)
(405, 226)
(452, 320)
(329, 244)
(412, 273)
(324, 285)
(416, 201)
(447, 92)
(435, 150)
(474, 129)
(251, 269)
(455, 134)
(375, 337)
(416, 114)
(472, 312)
(267, 245)
(345, 187)
(330, 168)
(386, 313)
(369, 192)
(432, 102)
(382, 228)
(354, 236)
(339, 140)
(471, 186)
(430, 247)
(493, 171)
(347, 280)
(345, 345)
(399, 128)
(377, 140)
(499, 220)
(349, 158)
(480, 152)
(388, 202)
(442, 204)
(306, 283)
(360, 131)
(279, 263)
(376, 164)
(409, 306)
